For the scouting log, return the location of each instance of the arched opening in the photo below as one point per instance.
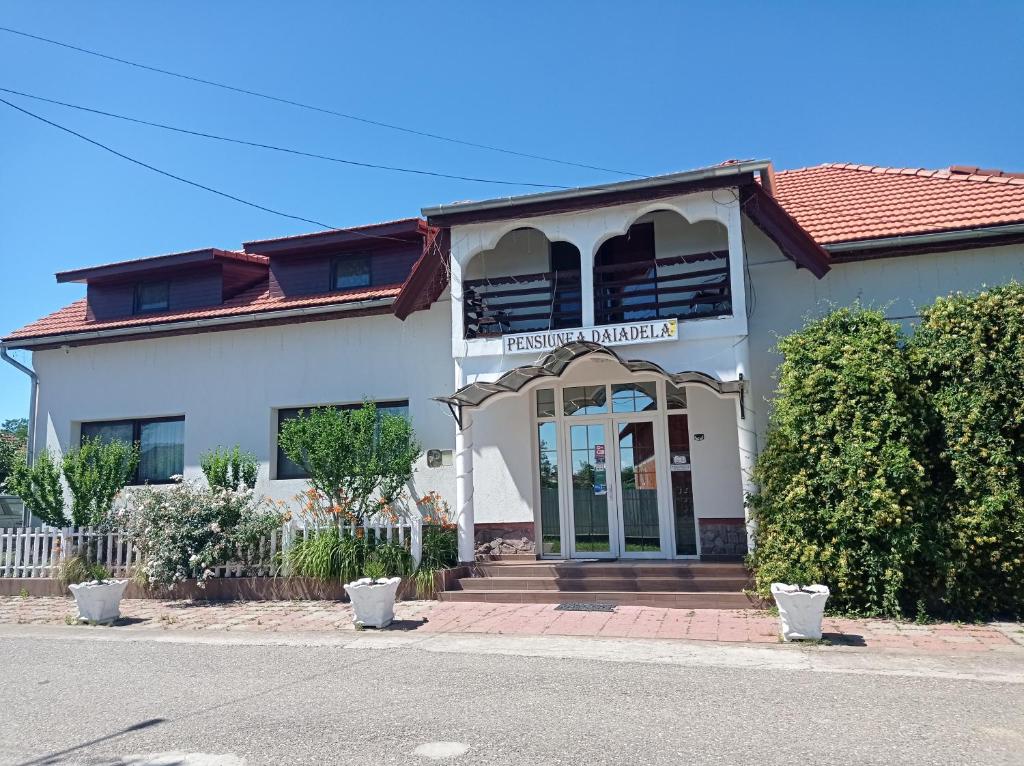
(662, 267)
(525, 283)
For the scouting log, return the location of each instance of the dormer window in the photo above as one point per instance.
(349, 271)
(152, 296)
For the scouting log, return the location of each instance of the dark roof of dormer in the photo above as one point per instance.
(127, 269)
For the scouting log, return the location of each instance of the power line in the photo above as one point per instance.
(311, 107)
(286, 150)
(196, 184)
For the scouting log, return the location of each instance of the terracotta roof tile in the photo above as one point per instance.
(841, 202)
(72, 319)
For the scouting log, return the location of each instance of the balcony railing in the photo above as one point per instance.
(656, 289)
(522, 303)
(662, 289)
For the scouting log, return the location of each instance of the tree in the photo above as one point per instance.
(13, 443)
(359, 459)
(95, 473)
(16, 427)
(39, 487)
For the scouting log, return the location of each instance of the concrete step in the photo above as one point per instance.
(587, 570)
(616, 583)
(673, 600)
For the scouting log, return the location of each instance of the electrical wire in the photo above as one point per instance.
(196, 184)
(311, 107)
(271, 147)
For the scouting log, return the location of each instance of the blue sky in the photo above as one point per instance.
(644, 87)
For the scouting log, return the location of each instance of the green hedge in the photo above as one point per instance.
(969, 352)
(893, 467)
(842, 486)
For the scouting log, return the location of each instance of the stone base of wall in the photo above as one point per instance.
(723, 538)
(505, 538)
(233, 588)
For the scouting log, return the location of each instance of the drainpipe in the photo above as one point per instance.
(30, 447)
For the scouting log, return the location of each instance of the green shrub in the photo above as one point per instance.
(95, 473)
(440, 551)
(230, 468)
(392, 559)
(361, 460)
(969, 351)
(39, 487)
(843, 494)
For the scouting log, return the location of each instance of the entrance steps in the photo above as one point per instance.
(676, 584)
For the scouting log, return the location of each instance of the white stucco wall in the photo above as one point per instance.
(717, 489)
(782, 296)
(229, 384)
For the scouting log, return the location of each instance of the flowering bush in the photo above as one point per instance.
(185, 531)
(969, 354)
(843, 493)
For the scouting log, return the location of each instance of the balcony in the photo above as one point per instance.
(683, 287)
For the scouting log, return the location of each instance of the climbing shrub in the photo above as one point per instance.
(969, 352)
(843, 492)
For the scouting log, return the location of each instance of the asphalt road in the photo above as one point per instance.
(115, 702)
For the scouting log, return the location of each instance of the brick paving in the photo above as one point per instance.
(727, 626)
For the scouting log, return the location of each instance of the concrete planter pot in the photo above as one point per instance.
(373, 601)
(99, 601)
(800, 610)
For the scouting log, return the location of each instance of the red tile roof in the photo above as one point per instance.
(72, 319)
(841, 203)
(833, 203)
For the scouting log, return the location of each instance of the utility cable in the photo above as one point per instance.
(271, 147)
(314, 108)
(196, 184)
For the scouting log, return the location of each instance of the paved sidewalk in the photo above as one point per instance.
(728, 626)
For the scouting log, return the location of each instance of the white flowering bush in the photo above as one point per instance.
(186, 530)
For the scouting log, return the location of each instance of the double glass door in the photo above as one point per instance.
(614, 487)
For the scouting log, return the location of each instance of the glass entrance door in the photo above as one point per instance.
(614, 492)
(591, 521)
(638, 488)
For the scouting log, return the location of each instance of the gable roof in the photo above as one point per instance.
(839, 202)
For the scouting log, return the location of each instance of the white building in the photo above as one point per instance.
(588, 369)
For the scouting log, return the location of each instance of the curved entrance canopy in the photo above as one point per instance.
(475, 395)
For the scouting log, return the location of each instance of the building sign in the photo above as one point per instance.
(598, 454)
(627, 334)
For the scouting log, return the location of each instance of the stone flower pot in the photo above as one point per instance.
(373, 601)
(800, 610)
(99, 601)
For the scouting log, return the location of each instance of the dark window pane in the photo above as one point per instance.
(161, 450)
(545, 402)
(152, 296)
(676, 396)
(287, 468)
(161, 445)
(634, 397)
(551, 531)
(585, 400)
(351, 271)
(122, 430)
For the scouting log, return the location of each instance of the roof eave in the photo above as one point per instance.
(640, 184)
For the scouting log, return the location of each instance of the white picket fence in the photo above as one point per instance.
(39, 551)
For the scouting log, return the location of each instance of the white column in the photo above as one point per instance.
(586, 248)
(464, 488)
(747, 439)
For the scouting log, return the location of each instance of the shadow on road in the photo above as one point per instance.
(59, 755)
